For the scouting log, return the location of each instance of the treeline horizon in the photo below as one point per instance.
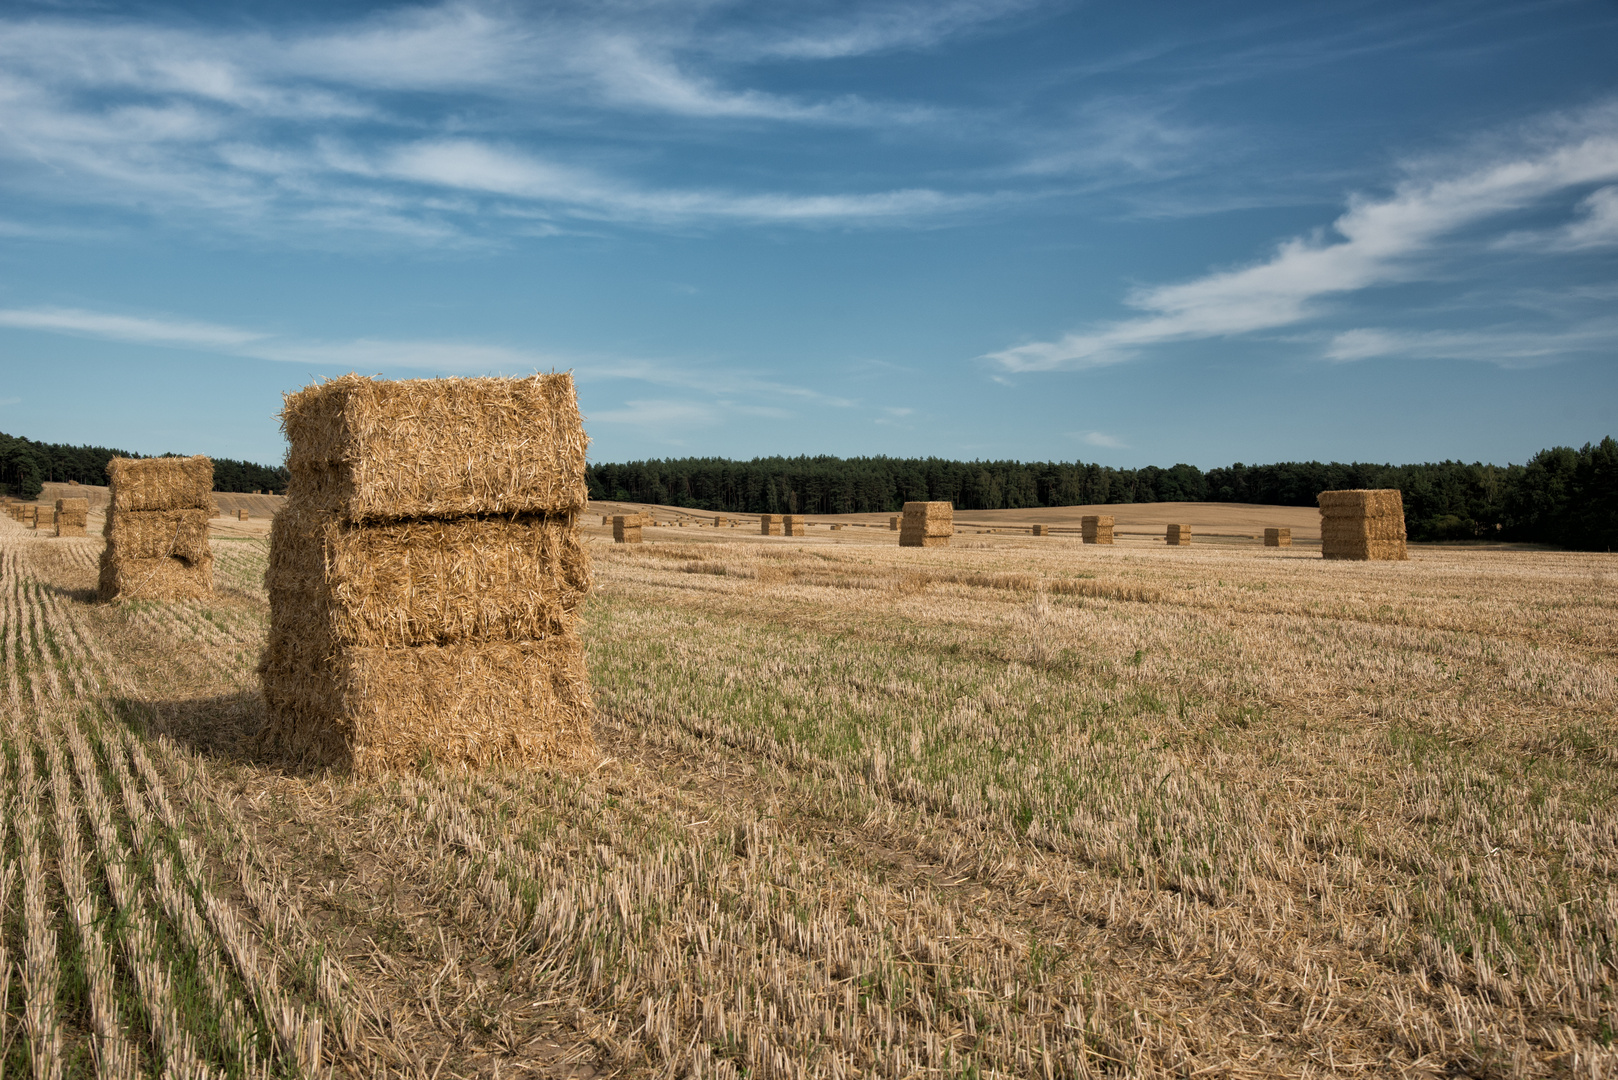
(26, 466)
(1562, 496)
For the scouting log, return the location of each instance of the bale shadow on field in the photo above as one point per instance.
(89, 595)
(224, 727)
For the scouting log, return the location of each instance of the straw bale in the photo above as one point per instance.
(473, 703)
(793, 525)
(76, 507)
(154, 579)
(160, 483)
(719, 522)
(1363, 524)
(1096, 528)
(369, 450)
(1042, 530)
(1179, 535)
(64, 528)
(893, 523)
(769, 524)
(45, 515)
(153, 534)
(1278, 537)
(924, 521)
(626, 529)
(424, 582)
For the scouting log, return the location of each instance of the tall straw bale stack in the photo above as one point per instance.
(927, 524)
(30, 516)
(1363, 524)
(1096, 528)
(1278, 537)
(894, 523)
(769, 524)
(1042, 530)
(793, 525)
(44, 516)
(72, 515)
(424, 606)
(157, 529)
(1179, 535)
(626, 529)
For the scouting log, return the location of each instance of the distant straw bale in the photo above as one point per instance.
(1096, 528)
(793, 525)
(1363, 524)
(370, 450)
(893, 523)
(769, 524)
(927, 524)
(1278, 537)
(626, 529)
(1042, 530)
(156, 527)
(1179, 535)
(72, 515)
(423, 605)
(719, 522)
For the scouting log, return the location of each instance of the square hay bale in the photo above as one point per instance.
(769, 524)
(160, 483)
(475, 703)
(66, 528)
(1096, 528)
(626, 529)
(924, 521)
(45, 515)
(164, 578)
(155, 534)
(793, 525)
(74, 511)
(893, 523)
(1278, 537)
(425, 581)
(241, 515)
(1041, 530)
(1179, 535)
(1363, 524)
(370, 450)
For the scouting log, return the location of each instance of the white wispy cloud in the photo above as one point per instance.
(1377, 241)
(142, 331)
(1101, 438)
(362, 124)
(1504, 345)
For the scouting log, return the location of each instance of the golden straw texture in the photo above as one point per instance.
(927, 521)
(1096, 528)
(1364, 524)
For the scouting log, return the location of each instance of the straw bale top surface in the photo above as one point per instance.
(161, 483)
(1366, 502)
(372, 450)
(81, 506)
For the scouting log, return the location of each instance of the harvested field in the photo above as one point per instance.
(1016, 807)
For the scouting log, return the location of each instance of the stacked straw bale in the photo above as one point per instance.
(1277, 537)
(157, 529)
(241, 515)
(30, 516)
(719, 522)
(72, 515)
(1363, 524)
(769, 524)
(626, 529)
(44, 516)
(1179, 535)
(893, 523)
(793, 525)
(927, 524)
(1096, 528)
(1042, 530)
(426, 575)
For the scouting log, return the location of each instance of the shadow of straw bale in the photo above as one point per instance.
(89, 595)
(226, 727)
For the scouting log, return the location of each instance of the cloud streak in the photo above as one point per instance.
(1375, 242)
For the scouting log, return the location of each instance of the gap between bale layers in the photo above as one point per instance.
(424, 582)
(370, 450)
(473, 703)
(160, 483)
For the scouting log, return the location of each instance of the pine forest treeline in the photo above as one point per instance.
(1561, 496)
(25, 465)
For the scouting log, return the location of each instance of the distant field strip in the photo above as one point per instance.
(1002, 810)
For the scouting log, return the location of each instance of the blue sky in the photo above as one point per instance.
(1128, 233)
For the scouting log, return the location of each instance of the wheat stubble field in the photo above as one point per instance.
(1011, 808)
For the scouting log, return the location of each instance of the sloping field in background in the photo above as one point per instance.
(998, 809)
